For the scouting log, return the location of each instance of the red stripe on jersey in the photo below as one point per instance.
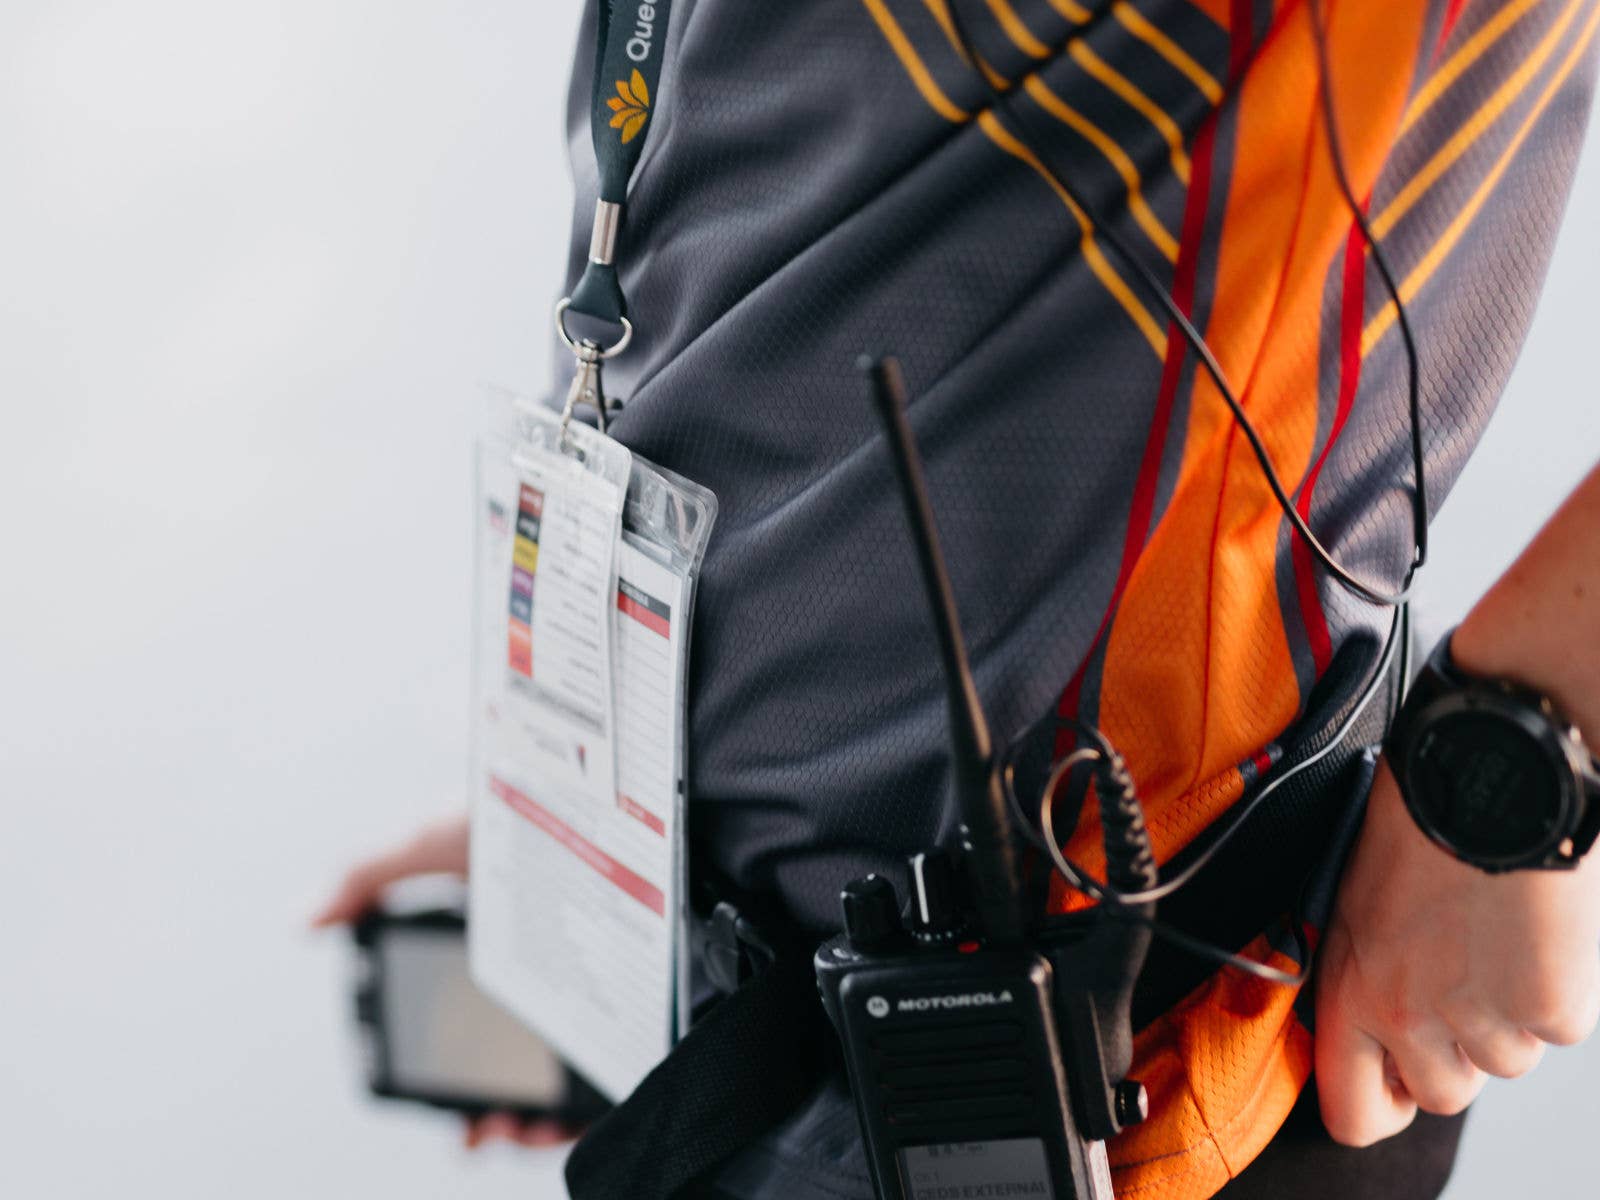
(1352, 309)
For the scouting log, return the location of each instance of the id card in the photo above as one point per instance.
(577, 869)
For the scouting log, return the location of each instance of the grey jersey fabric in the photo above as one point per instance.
(802, 200)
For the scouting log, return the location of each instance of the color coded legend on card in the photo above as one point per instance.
(644, 608)
(524, 562)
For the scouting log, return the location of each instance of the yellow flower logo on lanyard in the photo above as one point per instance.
(631, 106)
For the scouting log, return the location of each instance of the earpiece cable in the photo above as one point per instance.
(1213, 368)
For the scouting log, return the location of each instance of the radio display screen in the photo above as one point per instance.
(1010, 1169)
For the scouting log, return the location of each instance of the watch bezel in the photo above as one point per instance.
(1537, 722)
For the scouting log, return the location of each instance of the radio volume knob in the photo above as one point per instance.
(871, 913)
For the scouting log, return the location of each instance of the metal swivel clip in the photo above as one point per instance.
(586, 388)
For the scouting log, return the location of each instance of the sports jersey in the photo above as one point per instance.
(832, 177)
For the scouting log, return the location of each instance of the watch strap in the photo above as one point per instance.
(1437, 676)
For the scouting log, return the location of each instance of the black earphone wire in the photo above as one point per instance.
(1399, 628)
(1080, 880)
(1197, 341)
(1380, 258)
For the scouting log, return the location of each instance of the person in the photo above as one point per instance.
(824, 179)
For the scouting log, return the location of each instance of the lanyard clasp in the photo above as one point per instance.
(586, 387)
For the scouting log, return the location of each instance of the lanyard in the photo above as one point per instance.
(630, 42)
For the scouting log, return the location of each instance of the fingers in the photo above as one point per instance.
(547, 1133)
(1436, 1073)
(498, 1126)
(438, 848)
(1506, 1053)
(348, 903)
(1361, 1104)
(1496, 1047)
(503, 1127)
(1560, 1006)
(363, 885)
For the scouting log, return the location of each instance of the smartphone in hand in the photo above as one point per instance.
(431, 1036)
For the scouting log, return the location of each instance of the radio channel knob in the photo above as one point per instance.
(935, 904)
(871, 913)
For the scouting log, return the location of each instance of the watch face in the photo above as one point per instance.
(1487, 787)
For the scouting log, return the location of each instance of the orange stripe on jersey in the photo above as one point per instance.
(1199, 626)
(1413, 283)
(1221, 12)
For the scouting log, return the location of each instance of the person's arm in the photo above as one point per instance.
(1433, 974)
(1540, 624)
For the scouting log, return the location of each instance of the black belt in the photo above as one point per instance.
(746, 1064)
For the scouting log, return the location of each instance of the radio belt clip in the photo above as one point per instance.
(731, 949)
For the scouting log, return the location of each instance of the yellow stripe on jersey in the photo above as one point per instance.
(1488, 113)
(1020, 35)
(1098, 69)
(1103, 270)
(907, 54)
(1114, 81)
(1072, 11)
(1471, 51)
(1413, 283)
(1115, 155)
(940, 10)
(1135, 23)
(924, 82)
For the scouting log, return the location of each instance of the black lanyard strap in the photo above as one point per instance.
(630, 42)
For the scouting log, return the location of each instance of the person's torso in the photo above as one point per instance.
(825, 179)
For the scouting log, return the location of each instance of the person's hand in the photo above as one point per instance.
(435, 849)
(1434, 975)
(505, 1127)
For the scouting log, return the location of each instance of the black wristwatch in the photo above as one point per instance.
(1492, 772)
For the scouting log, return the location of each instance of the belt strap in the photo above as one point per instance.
(744, 1066)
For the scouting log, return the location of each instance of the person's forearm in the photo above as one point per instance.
(1540, 624)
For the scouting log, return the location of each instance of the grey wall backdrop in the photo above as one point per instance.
(256, 258)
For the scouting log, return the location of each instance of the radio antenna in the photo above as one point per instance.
(975, 768)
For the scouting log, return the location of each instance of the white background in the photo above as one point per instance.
(254, 259)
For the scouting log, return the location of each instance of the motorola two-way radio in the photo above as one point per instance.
(987, 1052)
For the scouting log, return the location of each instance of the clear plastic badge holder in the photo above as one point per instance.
(667, 515)
(666, 522)
(669, 518)
(542, 439)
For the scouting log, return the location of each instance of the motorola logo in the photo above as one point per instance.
(877, 1006)
(942, 1003)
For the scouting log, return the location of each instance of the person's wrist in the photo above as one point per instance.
(1543, 660)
